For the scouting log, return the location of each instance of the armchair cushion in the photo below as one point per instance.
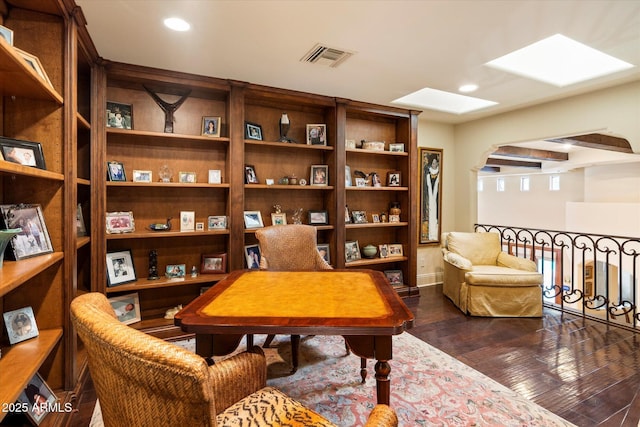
(512, 261)
(458, 260)
(493, 275)
(479, 248)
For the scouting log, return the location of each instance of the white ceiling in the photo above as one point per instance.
(400, 46)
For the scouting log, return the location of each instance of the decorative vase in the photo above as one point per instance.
(369, 251)
(5, 238)
(394, 208)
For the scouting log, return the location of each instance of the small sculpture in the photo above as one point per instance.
(165, 173)
(171, 313)
(284, 124)
(153, 265)
(194, 271)
(158, 226)
(277, 208)
(168, 109)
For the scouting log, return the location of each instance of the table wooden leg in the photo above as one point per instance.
(363, 369)
(383, 386)
(295, 347)
(377, 347)
(204, 345)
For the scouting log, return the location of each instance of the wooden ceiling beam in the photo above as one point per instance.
(516, 163)
(531, 153)
(597, 141)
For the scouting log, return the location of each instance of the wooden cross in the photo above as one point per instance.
(168, 108)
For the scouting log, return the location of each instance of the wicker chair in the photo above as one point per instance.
(141, 380)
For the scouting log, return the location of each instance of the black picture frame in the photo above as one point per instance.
(120, 268)
(318, 217)
(252, 131)
(26, 153)
(115, 171)
(119, 115)
(34, 238)
(250, 176)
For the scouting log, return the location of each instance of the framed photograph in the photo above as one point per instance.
(351, 251)
(38, 399)
(120, 269)
(34, 63)
(375, 218)
(126, 308)
(34, 238)
(397, 147)
(317, 134)
(253, 219)
(324, 252)
(81, 229)
(318, 217)
(252, 256)
(361, 182)
(394, 179)
(213, 264)
(250, 176)
(216, 222)
(383, 250)
(394, 277)
(395, 249)
(199, 226)
(26, 153)
(430, 169)
(347, 215)
(120, 222)
(359, 217)
(215, 176)
(350, 144)
(142, 176)
(187, 220)
(187, 177)
(21, 325)
(211, 126)
(279, 218)
(115, 171)
(119, 115)
(175, 271)
(319, 175)
(252, 131)
(347, 176)
(6, 34)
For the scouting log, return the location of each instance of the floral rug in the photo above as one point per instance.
(428, 387)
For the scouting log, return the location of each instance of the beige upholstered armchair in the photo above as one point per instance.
(144, 381)
(482, 280)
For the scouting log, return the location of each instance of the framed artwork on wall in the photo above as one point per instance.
(430, 195)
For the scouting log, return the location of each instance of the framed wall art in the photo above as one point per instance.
(214, 263)
(430, 164)
(126, 308)
(34, 238)
(119, 115)
(26, 153)
(120, 269)
(211, 126)
(120, 222)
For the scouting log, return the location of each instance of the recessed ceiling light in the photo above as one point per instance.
(443, 101)
(560, 61)
(177, 24)
(468, 88)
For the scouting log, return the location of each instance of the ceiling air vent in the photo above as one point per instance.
(325, 55)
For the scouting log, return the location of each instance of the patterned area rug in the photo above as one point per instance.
(428, 387)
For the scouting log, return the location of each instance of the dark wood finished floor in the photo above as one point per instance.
(584, 371)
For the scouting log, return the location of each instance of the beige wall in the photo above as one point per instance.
(615, 111)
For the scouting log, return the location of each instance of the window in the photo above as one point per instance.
(480, 185)
(500, 184)
(554, 183)
(524, 183)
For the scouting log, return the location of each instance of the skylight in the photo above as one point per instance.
(560, 61)
(443, 101)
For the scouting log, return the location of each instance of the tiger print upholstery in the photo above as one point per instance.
(144, 381)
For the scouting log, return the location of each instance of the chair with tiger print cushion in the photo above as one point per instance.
(141, 380)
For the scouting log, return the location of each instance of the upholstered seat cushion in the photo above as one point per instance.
(270, 407)
(493, 275)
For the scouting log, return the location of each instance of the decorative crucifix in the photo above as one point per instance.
(168, 108)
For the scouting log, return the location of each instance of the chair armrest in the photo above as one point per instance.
(458, 261)
(382, 416)
(512, 261)
(235, 378)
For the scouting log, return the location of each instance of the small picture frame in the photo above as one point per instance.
(317, 134)
(351, 251)
(26, 153)
(394, 277)
(350, 144)
(81, 229)
(359, 217)
(6, 34)
(347, 176)
(252, 131)
(318, 217)
(361, 182)
(395, 249)
(252, 256)
(34, 238)
(347, 215)
(199, 226)
(214, 263)
(375, 218)
(383, 251)
(21, 325)
(394, 218)
(187, 177)
(215, 176)
(35, 64)
(216, 222)
(397, 147)
(142, 176)
(252, 220)
(279, 218)
(187, 220)
(119, 115)
(126, 308)
(394, 179)
(175, 271)
(210, 126)
(120, 222)
(319, 175)
(250, 176)
(323, 249)
(38, 399)
(120, 268)
(115, 171)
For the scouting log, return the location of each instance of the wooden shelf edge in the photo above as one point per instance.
(160, 234)
(166, 136)
(377, 225)
(16, 169)
(165, 184)
(353, 188)
(15, 273)
(163, 282)
(82, 241)
(287, 187)
(378, 152)
(23, 360)
(288, 145)
(372, 261)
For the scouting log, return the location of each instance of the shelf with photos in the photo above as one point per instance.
(150, 234)
(15, 273)
(288, 187)
(377, 224)
(10, 168)
(377, 152)
(288, 145)
(165, 184)
(162, 138)
(370, 188)
(164, 282)
(373, 261)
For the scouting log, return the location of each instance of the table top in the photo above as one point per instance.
(331, 302)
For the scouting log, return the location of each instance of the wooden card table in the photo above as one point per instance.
(360, 305)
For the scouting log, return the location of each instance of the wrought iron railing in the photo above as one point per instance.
(592, 275)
